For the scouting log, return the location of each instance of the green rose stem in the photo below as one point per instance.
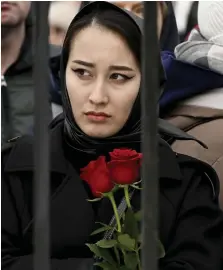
(126, 191)
(138, 259)
(112, 199)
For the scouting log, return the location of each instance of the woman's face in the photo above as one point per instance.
(102, 79)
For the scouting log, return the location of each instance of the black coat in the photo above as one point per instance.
(191, 223)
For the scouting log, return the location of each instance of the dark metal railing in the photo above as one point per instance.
(149, 98)
(41, 145)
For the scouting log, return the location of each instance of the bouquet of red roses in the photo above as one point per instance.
(122, 250)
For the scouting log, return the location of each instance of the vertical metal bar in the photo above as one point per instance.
(41, 144)
(149, 98)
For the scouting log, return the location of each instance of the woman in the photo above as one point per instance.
(100, 73)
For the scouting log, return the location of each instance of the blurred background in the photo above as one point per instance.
(62, 12)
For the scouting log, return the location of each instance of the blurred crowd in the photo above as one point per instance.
(191, 44)
(185, 14)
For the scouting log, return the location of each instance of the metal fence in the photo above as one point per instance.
(149, 137)
(41, 147)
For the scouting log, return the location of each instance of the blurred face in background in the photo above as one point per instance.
(14, 13)
(61, 14)
(137, 8)
(133, 6)
(57, 34)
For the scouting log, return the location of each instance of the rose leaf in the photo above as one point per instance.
(106, 243)
(126, 242)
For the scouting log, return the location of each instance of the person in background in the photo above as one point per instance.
(193, 96)
(192, 20)
(60, 16)
(186, 17)
(166, 22)
(16, 69)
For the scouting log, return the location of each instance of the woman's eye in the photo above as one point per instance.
(81, 73)
(120, 77)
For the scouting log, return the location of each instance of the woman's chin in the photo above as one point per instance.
(99, 133)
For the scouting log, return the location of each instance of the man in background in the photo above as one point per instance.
(17, 49)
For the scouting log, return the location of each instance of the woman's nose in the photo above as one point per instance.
(99, 94)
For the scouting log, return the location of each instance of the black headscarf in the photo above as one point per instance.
(130, 135)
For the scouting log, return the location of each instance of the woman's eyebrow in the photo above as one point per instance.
(121, 68)
(113, 67)
(83, 63)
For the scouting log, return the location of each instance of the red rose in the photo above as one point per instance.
(124, 166)
(96, 174)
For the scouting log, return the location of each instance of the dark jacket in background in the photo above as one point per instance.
(169, 38)
(190, 223)
(18, 93)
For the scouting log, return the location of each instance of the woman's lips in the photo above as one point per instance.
(97, 117)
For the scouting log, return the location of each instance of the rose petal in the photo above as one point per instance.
(125, 172)
(96, 174)
(123, 154)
